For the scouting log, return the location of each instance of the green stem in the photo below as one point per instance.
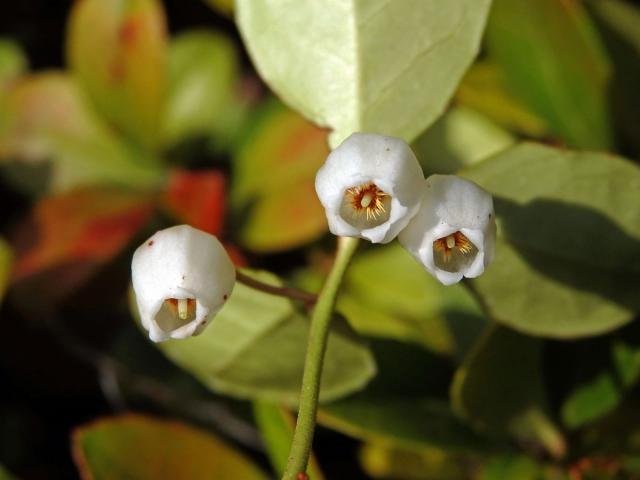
(318, 334)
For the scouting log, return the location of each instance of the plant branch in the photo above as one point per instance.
(293, 293)
(316, 347)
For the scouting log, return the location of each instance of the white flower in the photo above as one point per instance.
(370, 187)
(181, 277)
(453, 234)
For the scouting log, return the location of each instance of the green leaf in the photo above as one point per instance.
(591, 401)
(519, 467)
(619, 24)
(405, 405)
(484, 89)
(203, 72)
(461, 137)
(276, 425)
(13, 62)
(386, 293)
(5, 265)
(568, 253)
(273, 191)
(499, 389)
(46, 117)
(117, 50)
(554, 62)
(379, 461)
(143, 448)
(363, 65)
(255, 349)
(604, 375)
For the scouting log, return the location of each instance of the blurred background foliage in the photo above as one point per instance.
(121, 117)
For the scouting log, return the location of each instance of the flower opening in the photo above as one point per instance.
(454, 252)
(365, 206)
(370, 187)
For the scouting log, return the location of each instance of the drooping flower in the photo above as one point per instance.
(453, 234)
(181, 277)
(370, 187)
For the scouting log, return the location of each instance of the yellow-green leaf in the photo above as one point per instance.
(136, 447)
(117, 50)
(273, 191)
(276, 425)
(461, 137)
(364, 65)
(46, 117)
(203, 72)
(13, 62)
(554, 62)
(484, 89)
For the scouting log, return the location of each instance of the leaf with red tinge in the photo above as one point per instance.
(46, 117)
(117, 49)
(274, 176)
(197, 198)
(144, 448)
(84, 228)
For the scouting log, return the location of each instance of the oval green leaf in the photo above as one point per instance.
(255, 348)
(363, 65)
(568, 254)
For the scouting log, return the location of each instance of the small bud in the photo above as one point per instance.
(453, 234)
(181, 277)
(370, 187)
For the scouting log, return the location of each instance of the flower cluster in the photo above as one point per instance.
(372, 187)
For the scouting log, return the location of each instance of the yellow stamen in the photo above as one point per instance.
(451, 241)
(183, 308)
(366, 199)
(454, 242)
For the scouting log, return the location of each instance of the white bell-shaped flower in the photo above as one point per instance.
(181, 277)
(370, 187)
(454, 233)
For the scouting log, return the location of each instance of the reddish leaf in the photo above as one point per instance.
(87, 227)
(197, 198)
